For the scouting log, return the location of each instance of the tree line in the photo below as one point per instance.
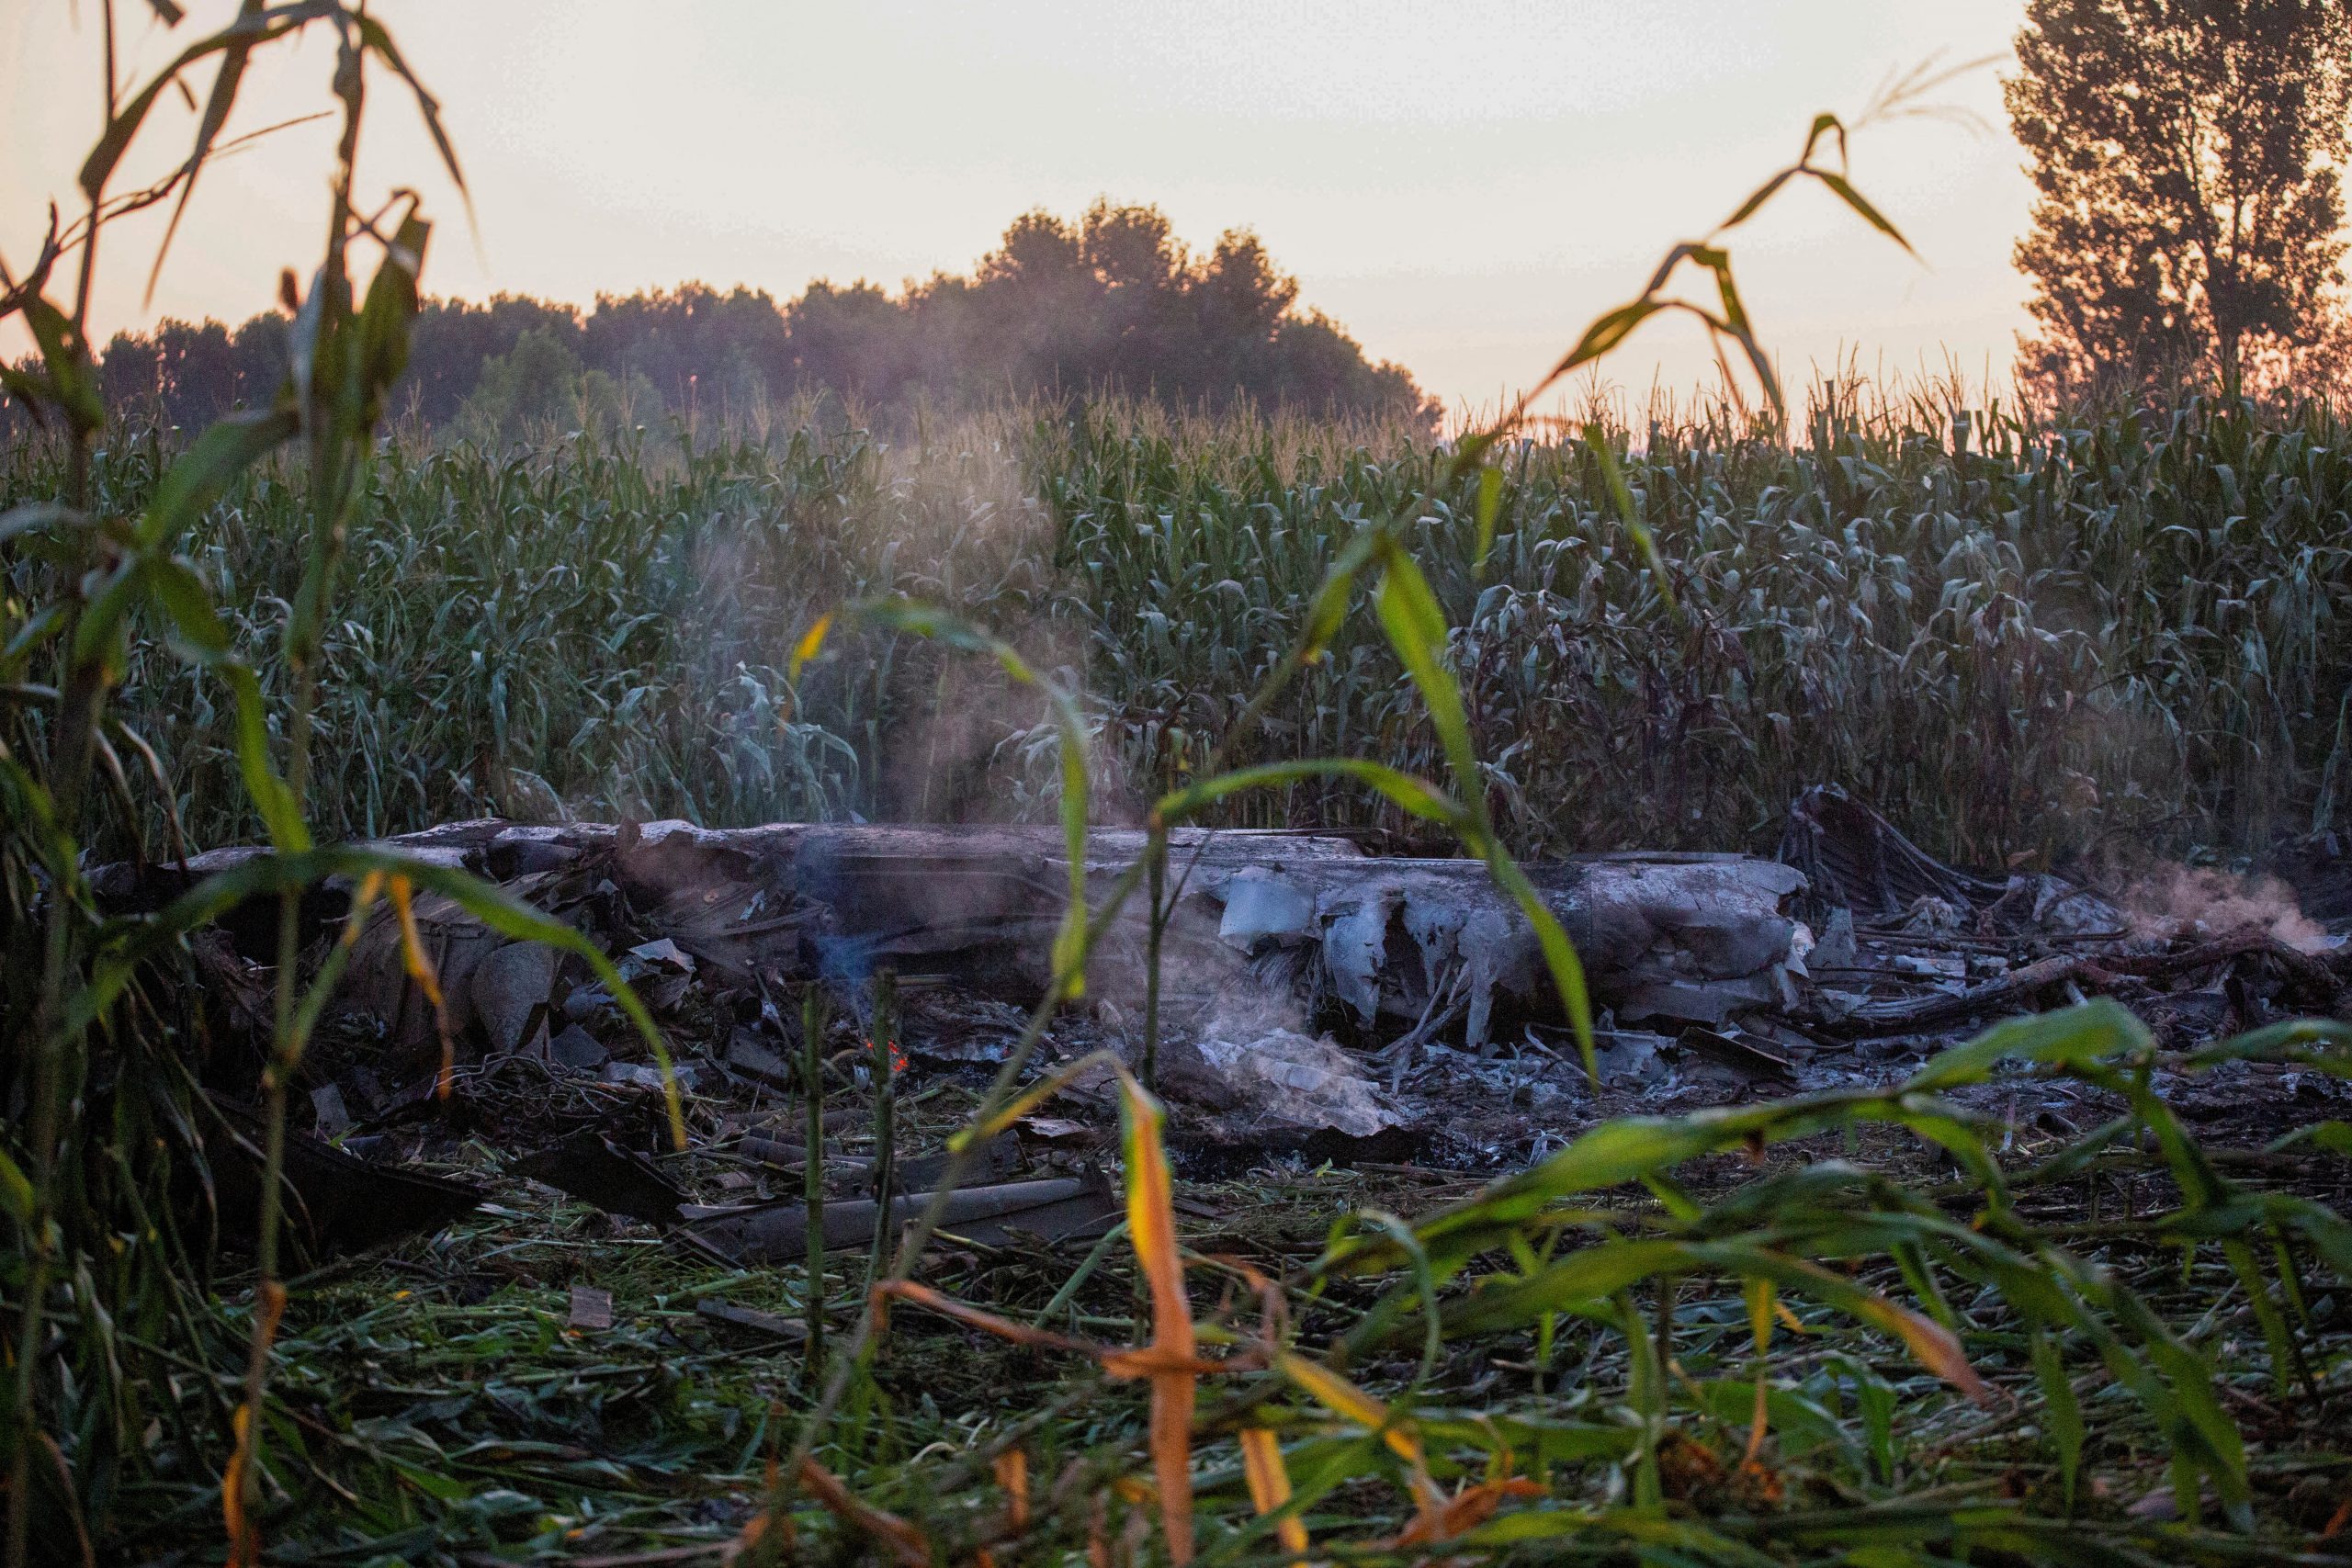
(2186, 229)
(1109, 302)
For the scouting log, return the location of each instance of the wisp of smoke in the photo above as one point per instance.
(2176, 899)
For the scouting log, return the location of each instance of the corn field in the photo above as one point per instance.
(2062, 635)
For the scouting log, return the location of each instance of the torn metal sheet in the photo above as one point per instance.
(593, 1168)
(991, 1159)
(767, 1322)
(510, 990)
(1053, 1210)
(1854, 858)
(1260, 905)
(592, 1309)
(1737, 1051)
(1291, 1083)
(335, 1201)
(578, 1049)
(748, 1057)
(1631, 1058)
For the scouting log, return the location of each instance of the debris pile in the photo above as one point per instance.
(1315, 1000)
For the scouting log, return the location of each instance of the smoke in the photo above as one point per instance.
(2176, 901)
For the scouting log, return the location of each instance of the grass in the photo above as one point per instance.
(436, 1407)
(2129, 628)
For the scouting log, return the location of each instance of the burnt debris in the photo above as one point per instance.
(1317, 1001)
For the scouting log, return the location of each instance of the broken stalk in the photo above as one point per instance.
(72, 762)
(885, 1030)
(812, 1167)
(337, 451)
(1156, 858)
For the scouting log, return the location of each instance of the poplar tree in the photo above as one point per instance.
(2185, 154)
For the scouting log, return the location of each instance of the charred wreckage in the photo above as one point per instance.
(1317, 1002)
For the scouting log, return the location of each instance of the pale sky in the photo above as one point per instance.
(1463, 185)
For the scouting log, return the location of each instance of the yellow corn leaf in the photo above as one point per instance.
(811, 643)
(419, 965)
(756, 1528)
(1005, 1328)
(1012, 1473)
(1028, 1099)
(1151, 1227)
(1928, 1341)
(1935, 1347)
(363, 900)
(901, 1539)
(1759, 1327)
(1119, 1361)
(1098, 1545)
(1335, 1392)
(243, 1539)
(1262, 1465)
(1466, 1510)
(412, 955)
(1152, 1361)
(244, 1531)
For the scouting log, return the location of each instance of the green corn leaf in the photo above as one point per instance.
(1409, 613)
(1861, 205)
(187, 605)
(2071, 1036)
(65, 356)
(1584, 1277)
(1743, 332)
(16, 1192)
(1560, 960)
(252, 27)
(29, 387)
(137, 942)
(1490, 502)
(1759, 196)
(29, 637)
(2324, 1044)
(227, 448)
(2266, 1316)
(217, 104)
(2336, 1137)
(377, 41)
(100, 635)
(40, 517)
(391, 306)
(1333, 594)
(1596, 440)
(1416, 797)
(281, 814)
(898, 612)
(2062, 1414)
